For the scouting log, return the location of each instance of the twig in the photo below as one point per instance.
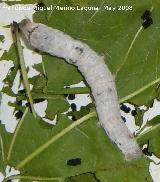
(22, 65)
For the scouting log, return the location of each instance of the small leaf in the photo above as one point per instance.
(84, 110)
(39, 82)
(56, 106)
(138, 114)
(11, 55)
(7, 90)
(151, 136)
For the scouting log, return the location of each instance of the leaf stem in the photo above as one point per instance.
(86, 90)
(147, 131)
(34, 178)
(55, 94)
(43, 67)
(15, 134)
(76, 90)
(2, 148)
(54, 139)
(48, 96)
(41, 96)
(23, 68)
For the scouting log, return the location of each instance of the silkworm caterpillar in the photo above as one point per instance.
(97, 75)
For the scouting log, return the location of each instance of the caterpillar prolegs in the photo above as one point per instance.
(97, 75)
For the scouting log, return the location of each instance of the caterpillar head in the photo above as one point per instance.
(27, 27)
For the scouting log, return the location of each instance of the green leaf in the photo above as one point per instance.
(82, 178)
(21, 2)
(83, 138)
(5, 139)
(18, 106)
(78, 2)
(39, 82)
(2, 163)
(84, 110)
(54, 163)
(11, 55)
(137, 171)
(86, 142)
(154, 122)
(139, 113)
(59, 73)
(8, 91)
(151, 136)
(88, 177)
(56, 106)
(132, 54)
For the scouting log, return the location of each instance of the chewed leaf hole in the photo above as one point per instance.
(145, 150)
(125, 108)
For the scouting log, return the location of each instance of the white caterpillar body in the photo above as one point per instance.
(97, 75)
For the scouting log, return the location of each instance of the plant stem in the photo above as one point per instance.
(40, 96)
(2, 148)
(76, 90)
(23, 68)
(147, 131)
(54, 139)
(43, 67)
(55, 94)
(34, 178)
